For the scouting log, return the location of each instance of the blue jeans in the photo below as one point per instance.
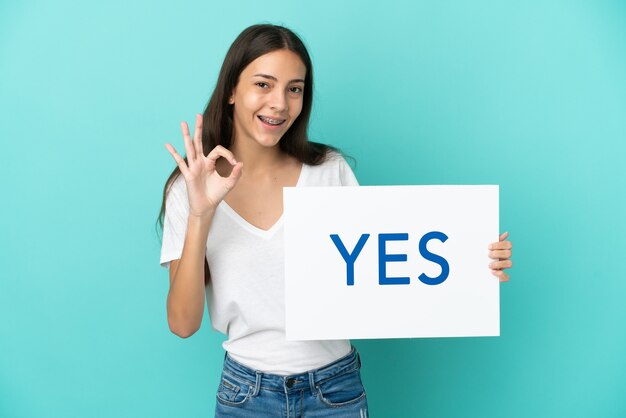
(334, 390)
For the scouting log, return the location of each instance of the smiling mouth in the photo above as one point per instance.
(270, 121)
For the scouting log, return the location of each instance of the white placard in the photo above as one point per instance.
(397, 289)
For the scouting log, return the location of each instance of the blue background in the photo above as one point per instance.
(528, 95)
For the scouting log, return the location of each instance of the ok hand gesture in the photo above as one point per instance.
(205, 187)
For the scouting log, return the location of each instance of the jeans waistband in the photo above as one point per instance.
(295, 382)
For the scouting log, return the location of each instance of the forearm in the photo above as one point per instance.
(185, 300)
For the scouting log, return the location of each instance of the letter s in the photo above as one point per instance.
(437, 259)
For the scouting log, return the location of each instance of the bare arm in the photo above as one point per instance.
(185, 300)
(205, 190)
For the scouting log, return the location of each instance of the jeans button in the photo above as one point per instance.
(290, 383)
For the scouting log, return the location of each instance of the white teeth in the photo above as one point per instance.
(272, 121)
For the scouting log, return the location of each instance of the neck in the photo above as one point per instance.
(257, 158)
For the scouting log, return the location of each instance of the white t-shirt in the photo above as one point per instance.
(246, 292)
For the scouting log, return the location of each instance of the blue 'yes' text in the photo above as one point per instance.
(384, 258)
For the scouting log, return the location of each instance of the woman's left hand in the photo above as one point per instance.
(500, 252)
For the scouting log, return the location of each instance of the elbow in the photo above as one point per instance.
(182, 333)
(180, 329)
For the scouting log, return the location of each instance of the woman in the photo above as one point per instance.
(222, 233)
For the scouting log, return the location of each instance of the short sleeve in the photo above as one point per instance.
(174, 222)
(346, 175)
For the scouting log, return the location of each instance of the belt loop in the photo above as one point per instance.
(257, 386)
(312, 383)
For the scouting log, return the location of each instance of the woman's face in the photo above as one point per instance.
(268, 97)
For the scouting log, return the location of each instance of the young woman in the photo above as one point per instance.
(222, 233)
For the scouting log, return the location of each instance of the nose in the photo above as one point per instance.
(278, 101)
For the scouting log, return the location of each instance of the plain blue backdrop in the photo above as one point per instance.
(527, 95)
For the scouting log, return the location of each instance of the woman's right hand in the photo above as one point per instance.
(205, 187)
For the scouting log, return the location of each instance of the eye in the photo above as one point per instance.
(295, 89)
(262, 84)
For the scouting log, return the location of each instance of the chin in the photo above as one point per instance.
(268, 140)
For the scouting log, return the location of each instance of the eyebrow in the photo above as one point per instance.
(271, 77)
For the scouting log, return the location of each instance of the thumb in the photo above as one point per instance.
(235, 174)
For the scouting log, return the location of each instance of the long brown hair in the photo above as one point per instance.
(217, 119)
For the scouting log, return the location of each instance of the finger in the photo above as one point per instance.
(216, 153)
(235, 174)
(500, 254)
(500, 265)
(503, 236)
(502, 245)
(191, 153)
(197, 136)
(501, 275)
(179, 160)
(223, 152)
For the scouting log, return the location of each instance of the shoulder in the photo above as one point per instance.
(333, 171)
(176, 193)
(334, 160)
(178, 185)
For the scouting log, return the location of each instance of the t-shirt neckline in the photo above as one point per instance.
(264, 233)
